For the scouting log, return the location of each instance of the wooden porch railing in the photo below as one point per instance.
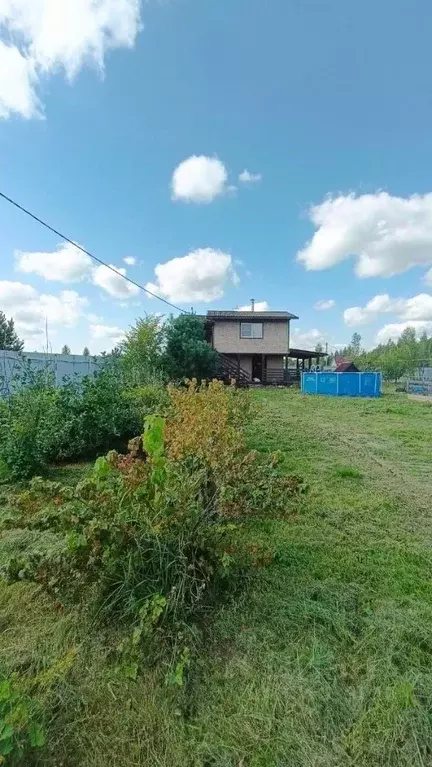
(230, 369)
(281, 377)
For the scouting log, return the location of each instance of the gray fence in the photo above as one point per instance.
(423, 387)
(13, 366)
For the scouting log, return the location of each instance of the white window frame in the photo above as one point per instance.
(256, 330)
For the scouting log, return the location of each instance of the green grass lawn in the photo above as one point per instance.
(325, 660)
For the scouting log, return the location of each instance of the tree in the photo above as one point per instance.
(187, 354)
(356, 344)
(396, 359)
(393, 363)
(319, 348)
(141, 350)
(66, 349)
(9, 340)
(86, 351)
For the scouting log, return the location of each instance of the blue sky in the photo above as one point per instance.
(128, 127)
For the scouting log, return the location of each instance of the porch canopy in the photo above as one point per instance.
(304, 356)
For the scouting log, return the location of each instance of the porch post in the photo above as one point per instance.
(310, 362)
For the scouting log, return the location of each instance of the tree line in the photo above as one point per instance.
(395, 359)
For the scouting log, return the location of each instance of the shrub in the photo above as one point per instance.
(94, 414)
(20, 728)
(139, 541)
(153, 539)
(148, 399)
(41, 423)
(28, 428)
(207, 424)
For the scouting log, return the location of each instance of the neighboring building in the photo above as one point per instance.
(347, 367)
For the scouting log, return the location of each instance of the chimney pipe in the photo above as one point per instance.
(252, 304)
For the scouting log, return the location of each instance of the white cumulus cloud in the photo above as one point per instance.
(114, 284)
(199, 179)
(31, 310)
(259, 306)
(105, 337)
(414, 309)
(325, 305)
(307, 339)
(199, 276)
(385, 234)
(66, 264)
(52, 35)
(393, 330)
(130, 260)
(17, 83)
(246, 177)
(69, 264)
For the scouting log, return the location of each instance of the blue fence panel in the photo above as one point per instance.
(326, 383)
(342, 384)
(349, 384)
(370, 384)
(309, 383)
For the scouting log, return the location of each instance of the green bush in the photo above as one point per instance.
(20, 727)
(40, 423)
(94, 414)
(152, 540)
(29, 429)
(148, 399)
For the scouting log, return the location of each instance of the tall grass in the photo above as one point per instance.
(324, 659)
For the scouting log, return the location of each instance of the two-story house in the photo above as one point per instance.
(257, 342)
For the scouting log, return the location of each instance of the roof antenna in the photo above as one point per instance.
(252, 304)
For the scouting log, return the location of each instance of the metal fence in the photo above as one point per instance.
(423, 387)
(57, 367)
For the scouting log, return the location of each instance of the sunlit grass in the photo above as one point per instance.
(324, 660)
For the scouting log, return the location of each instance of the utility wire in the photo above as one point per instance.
(87, 253)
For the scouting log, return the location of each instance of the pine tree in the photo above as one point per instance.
(86, 351)
(8, 337)
(66, 349)
(187, 354)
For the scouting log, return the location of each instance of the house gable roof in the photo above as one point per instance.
(238, 315)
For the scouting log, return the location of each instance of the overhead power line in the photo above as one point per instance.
(87, 253)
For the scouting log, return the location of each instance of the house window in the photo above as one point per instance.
(251, 330)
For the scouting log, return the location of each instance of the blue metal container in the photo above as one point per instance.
(342, 384)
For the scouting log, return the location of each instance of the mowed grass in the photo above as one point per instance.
(325, 660)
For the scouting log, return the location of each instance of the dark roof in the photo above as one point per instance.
(347, 367)
(305, 354)
(235, 315)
